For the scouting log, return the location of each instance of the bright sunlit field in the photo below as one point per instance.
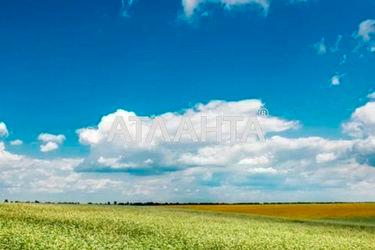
(32, 226)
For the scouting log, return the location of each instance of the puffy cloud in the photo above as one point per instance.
(50, 142)
(362, 121)
(167, 155)
(361, 126)
(17, 142)
(6, 156)
(44, 137)
(366, 30)
(3, 129)
(365, 151)
(49, 146)
(336, 80)
(27, 178)
(191, 6)
(211, 111)
(88, 136)
(280, 168)
(365, 35)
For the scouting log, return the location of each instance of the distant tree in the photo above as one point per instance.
(115, 202)
(6, 201)
(36, 201)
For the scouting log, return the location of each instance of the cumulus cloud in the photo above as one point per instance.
(362, 121)
(281, 168)
(16, 142)
(166, 155)
(50, 142)
(49, 146)
(191, 6)
(44, 137)
(3, 130)
(28, 178)
(6, 156)
(366, 30)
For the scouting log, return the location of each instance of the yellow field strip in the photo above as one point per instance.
(296, 211)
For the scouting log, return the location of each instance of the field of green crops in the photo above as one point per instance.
(32, 226)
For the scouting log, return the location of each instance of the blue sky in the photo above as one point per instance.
(66, 64)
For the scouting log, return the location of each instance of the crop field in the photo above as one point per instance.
(297, 211)
(41, 226)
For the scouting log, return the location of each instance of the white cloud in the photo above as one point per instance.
(365, 35)
(362, 121)
(50, 142)
(3, 129)
(263, 171)
(320, 47)
(6, 156)
(278, 169)
(270, 170)
(44, 137)
(191, 6)
(246, 108)
(49, 146)
(260, 160)
(16, 142)
(325, 157)
(27, 178)
(366, 30)
(168, 154)
(336, 80)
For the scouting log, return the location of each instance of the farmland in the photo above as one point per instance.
(41, 226)
(297, 211)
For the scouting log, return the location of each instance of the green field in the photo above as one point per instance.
(32, 226)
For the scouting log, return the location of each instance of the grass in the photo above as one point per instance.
(32, 226)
